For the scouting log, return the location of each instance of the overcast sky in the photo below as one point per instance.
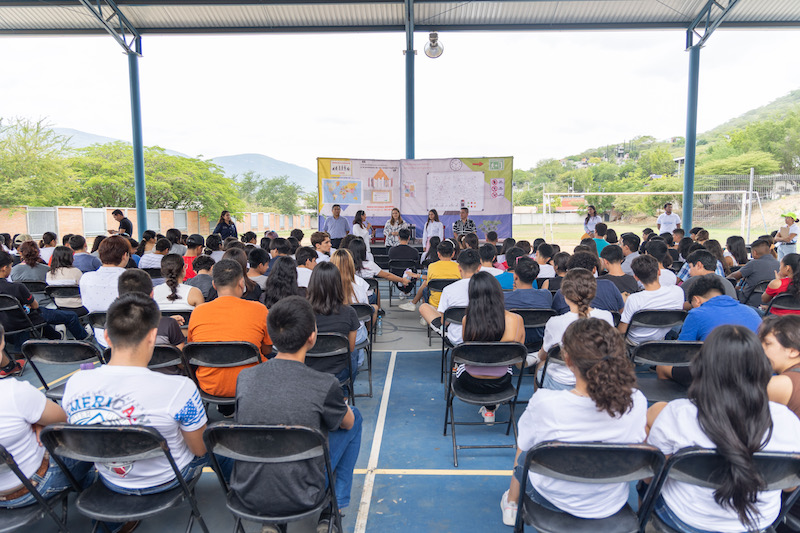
(299, 97)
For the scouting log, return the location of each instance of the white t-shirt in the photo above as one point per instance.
(303, 276)
(554, 332)
(364, 233)
(432, 229)
(21, 406)
(726, 253)
(321, 258)
(151, 260)
(677, 427)
(46, 253)
(361, 289)
(492, 270)
(793, 229)
(668, 222)
(546, 271)
(454, 295)
(564, 416)
(216, 256)
(369, 269)
(98, 291)
(667, 277)
(160, 293)
(128, 395)
(667, 297)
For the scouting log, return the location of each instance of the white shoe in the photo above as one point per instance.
(422, 322)
(408, 306)
(488, 416)
(509, 510)
(531, 359)
(402, 296)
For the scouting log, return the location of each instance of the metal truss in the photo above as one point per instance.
(708, 20)
(116, 24)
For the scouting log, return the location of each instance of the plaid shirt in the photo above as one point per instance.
(683, 275)
(463, 228)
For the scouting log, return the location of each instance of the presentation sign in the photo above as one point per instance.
(414, 186)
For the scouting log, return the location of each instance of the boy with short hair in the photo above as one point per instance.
(321, 242)
(298, 396)
(544, 254)
(600, 231)
(488, 254)
(306, 259)
(202, 266)
(612, 257)
(83, 261)
(444, 268)
(259, 262)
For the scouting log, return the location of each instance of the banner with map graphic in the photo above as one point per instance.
(414, 186)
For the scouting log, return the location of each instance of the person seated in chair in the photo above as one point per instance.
(404, 252)
(488, 253)
(604, 406)
(702, 263)
(298, 396)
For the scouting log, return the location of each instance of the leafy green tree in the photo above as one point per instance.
(281, 193)
(311, 201)
(762, 162)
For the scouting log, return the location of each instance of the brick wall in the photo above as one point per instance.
(70, 220)
(167, 217)
(13, 220)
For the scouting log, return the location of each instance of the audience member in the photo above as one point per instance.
(354, 287)
(321, 242)
(630, 249)
(81, 259)
(202, 266)
(258, 261)
(599, 239)
(611, 257)
(368, 269)
(278, 248)
(607, 295)
(96, 245)
(658, 249)
(780, 338)
(560, 261)
(47, 245)
(175, 236)
(508, 243)
(147, 243)
(306, 259)
(404, 252)
(31, 268)
(214, 247)
(252, 289)
(173, 294)
(735, 251)
(99, 288)
(63, 273)
(153, 259)
(544, 255)
(761, 268)
(702, 263)
(194, 248)
(488, 254)
(787, 281)
(444, 268)
(169, 327)
(282, 283)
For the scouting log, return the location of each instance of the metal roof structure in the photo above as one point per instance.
(276, 16)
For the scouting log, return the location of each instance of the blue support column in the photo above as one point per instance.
(409, 79)
(138, 144)
(691, 136)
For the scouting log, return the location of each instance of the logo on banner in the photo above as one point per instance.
(496, 164)
(341, 168)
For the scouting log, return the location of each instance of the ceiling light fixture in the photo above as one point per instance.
(434, 48)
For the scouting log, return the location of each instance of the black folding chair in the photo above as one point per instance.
(36, 287)
(58, 353)
(185, 314)
(119, 444)
(164, 356)
(701, 467)
(437, 285)
(25, 517)
(98, 319)
(784, 302)
(398, 267)
(656, 318)
(271, 445)
(758, 290)
(589, 462)
(373, 286)
(676, 266)
(451, 315)
(554, 357)
(664, 353)
(381, 260)
(14, 312)
(484, 355)
(617, 317)
(67, 291)
(154, 273)
(364, 312)
(534, 319)
(218, 355)
(337, 346)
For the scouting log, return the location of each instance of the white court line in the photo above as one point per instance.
(369, 480)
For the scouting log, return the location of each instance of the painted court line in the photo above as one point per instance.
(372, 464)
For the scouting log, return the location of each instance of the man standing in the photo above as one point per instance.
(336, 226)
(463, 226)
(125, 225)
(668, 220)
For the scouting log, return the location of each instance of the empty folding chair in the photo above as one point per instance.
(67, 291)
(36, 287)
(119, 444)
(334, 347)
(364, 312)
(784, 302)
(25, 517)
(218, 355)
(664, 353)
(590, 462)
(58, 353)
(266, 445)
(485, 355)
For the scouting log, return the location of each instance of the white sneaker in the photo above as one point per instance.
(532, 359)
(408, 306)
(402, 296)
(422, 322)
(488, 416)
(509, 510)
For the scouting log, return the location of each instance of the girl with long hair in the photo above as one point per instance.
(713, 246)
(683, 248)
(470, 241)
(392, 228)
(579, 288)
(487, 320)
(780, 338)
(787, 280)
(63, 273)
(735, 251)
(430, 255)
(433, 228)
(333, 315)
(281, 282)
(611, 236)
(603, 406)
(592, 219)
(226, 227)
(362, 228)
(96, 245)
(147, 243)
(47, 245)
(174, 235)
(727, 409)
(173, 294)
(508, 243)
(354, 287)
(368, 269)
(214, 247)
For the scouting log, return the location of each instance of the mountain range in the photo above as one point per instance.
(232, 165)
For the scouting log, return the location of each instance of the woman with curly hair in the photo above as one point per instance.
(281, 282)
(603, 406)
(173, 294)
(31, 268)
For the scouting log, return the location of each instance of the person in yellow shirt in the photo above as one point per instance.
(444, 268)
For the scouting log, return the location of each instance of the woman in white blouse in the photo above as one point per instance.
(433, 228)
(362, 228)
(393, 227)
(591, 220)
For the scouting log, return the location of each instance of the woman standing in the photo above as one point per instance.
(433, 228)
(393, 227)
(787, 235)
(226, 227)
(362, 228)
(591, 220)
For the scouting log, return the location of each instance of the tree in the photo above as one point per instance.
(311, 201)
(762, 162)
(280, 193)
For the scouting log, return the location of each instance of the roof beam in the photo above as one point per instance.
(116, 24)
(708, 20)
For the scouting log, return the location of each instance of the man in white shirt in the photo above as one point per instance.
(306, 259)
(653, 297)
(544, 254)
(99, 288)
(321, 242)
(455, 295)
(668, 220)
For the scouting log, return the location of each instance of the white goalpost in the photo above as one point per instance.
(721, 209)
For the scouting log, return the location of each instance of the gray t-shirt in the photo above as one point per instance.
(286, 392)
(729, 290)
(38, 272)
(202, 282)
(754, 272)
(628, 262)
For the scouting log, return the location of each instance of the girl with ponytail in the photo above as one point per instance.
(147, 243)
(787, 280)
(173, 294)
(579, 288)
(727, 409)
(603, 406)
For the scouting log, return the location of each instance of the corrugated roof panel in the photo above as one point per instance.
(47, 17)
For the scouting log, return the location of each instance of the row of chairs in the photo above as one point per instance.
(256, 444)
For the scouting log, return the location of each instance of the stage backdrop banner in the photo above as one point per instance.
(415, 186)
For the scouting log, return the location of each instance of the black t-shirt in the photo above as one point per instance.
(126, 226)
(403, 252)
(344, 321)
(12, 320)
(298, 396)
(169, 332)
(624, 283)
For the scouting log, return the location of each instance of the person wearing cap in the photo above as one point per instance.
(125, 224)
(194, 247)
(786, 238)
(18, 240)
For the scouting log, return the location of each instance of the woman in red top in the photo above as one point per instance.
(787, 280)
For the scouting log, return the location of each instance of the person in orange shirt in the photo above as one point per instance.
(228, 318)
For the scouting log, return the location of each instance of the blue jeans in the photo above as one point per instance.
(550, 383)
(54, 481)
(344, 445)
(68, 318)
(194, 468)
(532, 493)
(669, 518)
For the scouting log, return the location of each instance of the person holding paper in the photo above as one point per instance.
(786, 238)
